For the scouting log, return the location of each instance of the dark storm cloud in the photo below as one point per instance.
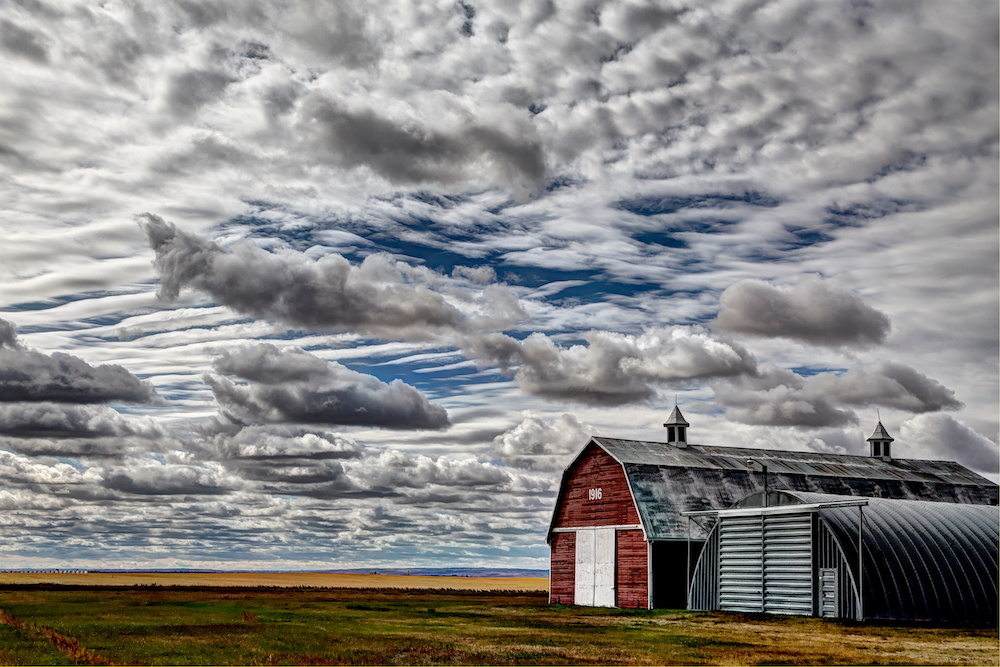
(28, 375)
(613, 369)
(328, 393)
(416, 154)
(814, 311)
(373, 297)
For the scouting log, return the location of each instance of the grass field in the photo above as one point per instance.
(278, 579)
(241, 625)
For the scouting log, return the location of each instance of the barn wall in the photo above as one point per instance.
(632, 578)
(562, 568)
(596, 470)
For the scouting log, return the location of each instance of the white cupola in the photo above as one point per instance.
(676, 427)
(880, 441)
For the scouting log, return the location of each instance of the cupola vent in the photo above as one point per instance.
(676, 427)
(880, 443)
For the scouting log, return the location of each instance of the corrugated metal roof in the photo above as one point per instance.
(922, 560)
(710, 457)
(666, 480)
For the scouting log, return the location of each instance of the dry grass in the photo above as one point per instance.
(279, 579)
(283, 625)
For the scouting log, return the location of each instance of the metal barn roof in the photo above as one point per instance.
(922, 560)
(666, 480)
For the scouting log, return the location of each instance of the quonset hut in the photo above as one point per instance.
(618, 537)
(815, 554)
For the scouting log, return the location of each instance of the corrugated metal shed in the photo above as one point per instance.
(921, 560)
(666, 480)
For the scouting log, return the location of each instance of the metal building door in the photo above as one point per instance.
(828, 593)
(741, 574)
(595, 567)
(765, 564)
(788, 579)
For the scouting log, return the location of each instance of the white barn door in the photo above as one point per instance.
(604, 567)
(583, 592)
(595, 567)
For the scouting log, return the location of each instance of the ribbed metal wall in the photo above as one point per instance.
(788, 577)
(741, 557)
(757, 564)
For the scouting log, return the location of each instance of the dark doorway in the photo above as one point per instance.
(670, 572)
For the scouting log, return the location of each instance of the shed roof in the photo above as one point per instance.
(666, 480)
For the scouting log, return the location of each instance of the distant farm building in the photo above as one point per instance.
(632, 517)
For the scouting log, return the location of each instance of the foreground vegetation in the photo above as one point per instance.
(213, 625)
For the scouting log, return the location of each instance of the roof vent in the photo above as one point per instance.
(677, 428)
(880, 441)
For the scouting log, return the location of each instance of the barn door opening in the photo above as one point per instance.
(595, 567)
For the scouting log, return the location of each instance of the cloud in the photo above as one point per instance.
(326, 293)
(613, 369)
(156, 478)
(277, 442)
(415, 153)
(943, 438)
(542, 444)
(886, 383)
(780, 397)
(22, 42)
(400, 470)
(293, 386)
(287, 455)
(28, 375)
(54, 420)
(814, 311)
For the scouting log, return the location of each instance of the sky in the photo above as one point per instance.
(308, 285)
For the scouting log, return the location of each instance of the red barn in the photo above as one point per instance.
(618, 539)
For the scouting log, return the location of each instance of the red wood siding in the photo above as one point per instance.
(562, 572)
(632, 575)
(596, 470)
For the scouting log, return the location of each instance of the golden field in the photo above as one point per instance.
(278, 579)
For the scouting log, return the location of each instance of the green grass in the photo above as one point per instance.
(182, 626)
